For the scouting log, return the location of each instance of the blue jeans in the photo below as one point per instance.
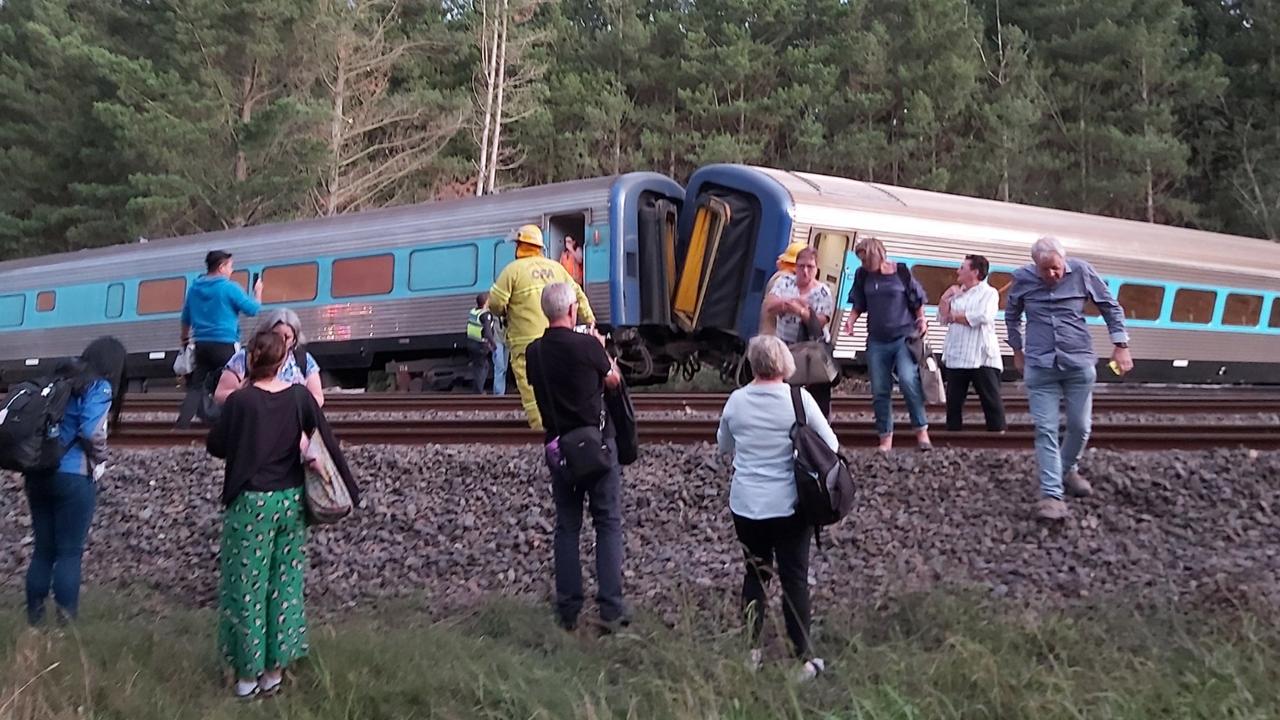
(1046, 388)
(500, 369)
(604, 500)
(61, 511)
(884, 360)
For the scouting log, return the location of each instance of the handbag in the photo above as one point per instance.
(326, 495)
(815, 364)
(582, 452)
(930, 373)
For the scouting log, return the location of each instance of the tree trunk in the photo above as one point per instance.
(336, 130)
(501, 87)
(489, 56)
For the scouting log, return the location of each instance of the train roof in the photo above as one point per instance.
(472, 209)
(1078, 231)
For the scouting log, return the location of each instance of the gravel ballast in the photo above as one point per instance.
(453, 524)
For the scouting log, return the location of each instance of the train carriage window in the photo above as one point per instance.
(1001, 281)
(12, 308)
(371, 275)
(1140, 302)
(935, 280)
(46, 301)
(1194, 306)
(161, 296)
(115, 300)
(289, 283)
(1275, 314)
(241, 278)
(1242, 310)
(446, 267)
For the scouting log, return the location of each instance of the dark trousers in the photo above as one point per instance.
(604, 500)
(986, 380)
(61, 511)
(821, 395)
(481, 359)
(784, 541)
(210, 358)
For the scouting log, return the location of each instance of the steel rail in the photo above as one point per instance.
(852, 433)
(709, 402)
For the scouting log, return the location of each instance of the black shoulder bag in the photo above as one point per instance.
(583, 452)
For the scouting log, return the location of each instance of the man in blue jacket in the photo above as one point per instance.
(211, 317)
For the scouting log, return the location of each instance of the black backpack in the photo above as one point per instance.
(824, 485)
(29, 421)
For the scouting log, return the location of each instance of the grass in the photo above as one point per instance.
(934, 657)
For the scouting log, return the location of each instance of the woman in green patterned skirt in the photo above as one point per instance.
(262, 432)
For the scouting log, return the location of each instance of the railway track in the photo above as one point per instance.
(1228, 402)
(852, 433)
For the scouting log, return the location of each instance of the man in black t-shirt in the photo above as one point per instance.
(569, 371)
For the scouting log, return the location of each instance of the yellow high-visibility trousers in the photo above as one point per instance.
(527, 399)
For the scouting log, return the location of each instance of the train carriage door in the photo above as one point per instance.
(832, 249)
(656, 238)
(563, 226)
(709, 222)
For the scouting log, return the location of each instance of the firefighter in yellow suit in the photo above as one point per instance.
(517, 296)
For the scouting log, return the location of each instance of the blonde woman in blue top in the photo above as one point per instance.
(62, 501)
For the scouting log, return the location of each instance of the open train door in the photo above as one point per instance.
(717, 261)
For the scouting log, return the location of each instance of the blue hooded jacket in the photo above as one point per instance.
(213, 308)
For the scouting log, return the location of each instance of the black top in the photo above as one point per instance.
(567, 371)
(258, 433)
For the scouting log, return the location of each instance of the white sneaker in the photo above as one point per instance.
(756, 660)
(811, 669)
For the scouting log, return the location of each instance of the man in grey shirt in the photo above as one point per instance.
(1058, 362)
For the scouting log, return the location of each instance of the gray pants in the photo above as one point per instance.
(604, 500)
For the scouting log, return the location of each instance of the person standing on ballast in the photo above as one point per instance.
(211, 318)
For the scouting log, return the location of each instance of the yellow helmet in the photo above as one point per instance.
(529, 235)
(789, 255)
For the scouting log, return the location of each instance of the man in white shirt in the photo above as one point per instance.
(971, 353)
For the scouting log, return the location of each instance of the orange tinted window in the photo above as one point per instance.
(241, 278)
(1243, 310)
(1140, 302)
(289, 283)
(45, 301)
(935, 280)
(1194, 306)
(371, 275)
(161, 296)
(1275, 314)
(1001, 281)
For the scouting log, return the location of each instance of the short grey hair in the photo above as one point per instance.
(282, 316)
(1046, 246)
(770, 359)
(556, 299)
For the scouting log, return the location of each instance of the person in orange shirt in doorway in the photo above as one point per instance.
(571, 258)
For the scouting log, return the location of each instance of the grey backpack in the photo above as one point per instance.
(824, 485)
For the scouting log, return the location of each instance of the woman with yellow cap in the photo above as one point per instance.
(786, 266)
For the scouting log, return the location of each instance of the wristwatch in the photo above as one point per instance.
(1123, 345)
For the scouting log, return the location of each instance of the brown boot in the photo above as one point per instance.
(1076, 485)
(1051, 509)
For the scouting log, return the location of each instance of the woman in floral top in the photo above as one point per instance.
(793, 300)
(285, 323)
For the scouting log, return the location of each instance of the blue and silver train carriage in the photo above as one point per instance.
(1201, 307)
(371, 288)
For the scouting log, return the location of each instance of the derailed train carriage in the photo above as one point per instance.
(372, 288)
(675, 275)
(1201, 307)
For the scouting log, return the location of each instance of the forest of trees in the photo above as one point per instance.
(122, 119)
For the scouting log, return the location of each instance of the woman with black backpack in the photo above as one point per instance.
(62, 500)
(755, 428)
